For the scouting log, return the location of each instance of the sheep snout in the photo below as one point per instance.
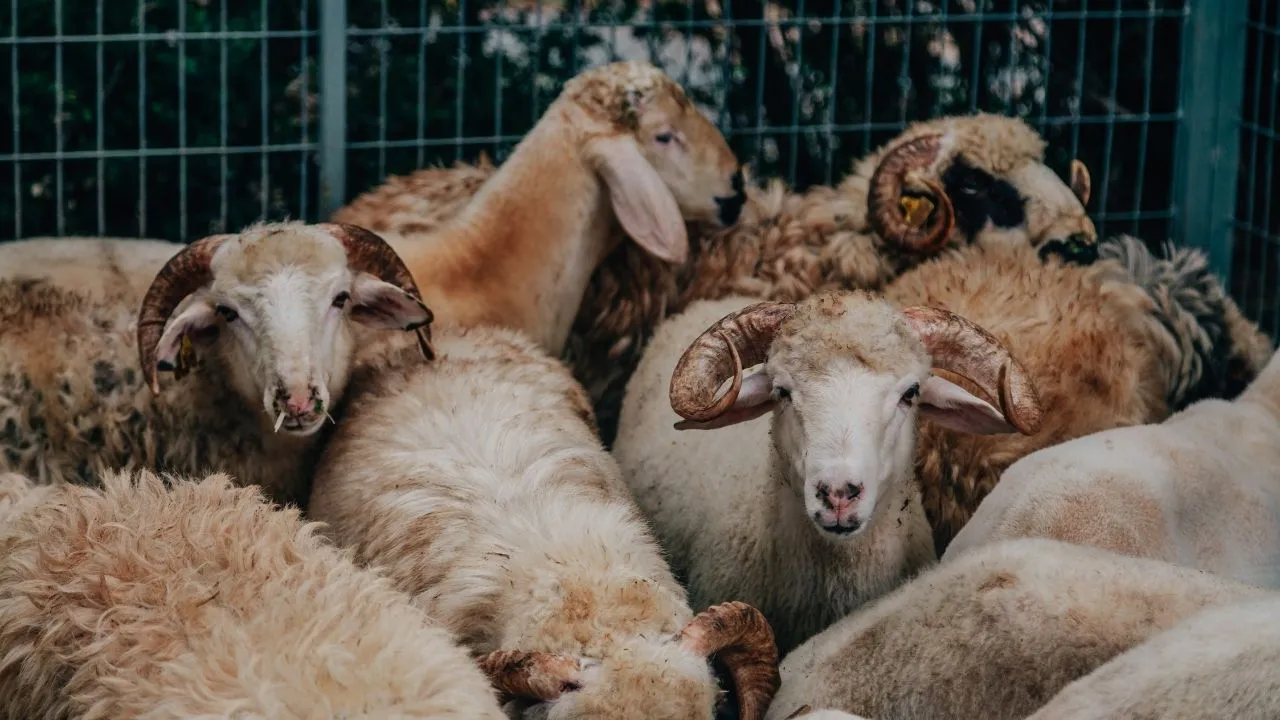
(839, 507)
(730, 207)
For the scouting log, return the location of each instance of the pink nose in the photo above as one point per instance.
(841, 498)
(300, 402)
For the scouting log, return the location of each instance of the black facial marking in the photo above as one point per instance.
(1075, 250)
(978, 197)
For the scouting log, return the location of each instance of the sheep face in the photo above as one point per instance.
(278, 309)
(992, 170)
(662, 161)
(844, 416)
(845, 376)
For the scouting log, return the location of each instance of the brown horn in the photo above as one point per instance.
(185, 273)
(367, 252)
(741, 637)
(800, 711)
(537, 676)
(886, 189)
(739, 339)
(962, 347)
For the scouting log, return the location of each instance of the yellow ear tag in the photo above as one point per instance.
(186, 358)
(915, 210)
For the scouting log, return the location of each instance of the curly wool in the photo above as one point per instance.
(201, 601)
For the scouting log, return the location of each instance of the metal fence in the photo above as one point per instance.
(177, 118)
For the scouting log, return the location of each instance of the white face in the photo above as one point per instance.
(291, 343)
(847, 433)
(286, 338)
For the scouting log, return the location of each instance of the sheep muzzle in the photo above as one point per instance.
(538, 676)
(960, 346)
(742, 638)
(740, 339)
(887, 183)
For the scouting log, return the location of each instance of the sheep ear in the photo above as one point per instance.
(755, 398)
(952, 406)
(641, 200)
(198, 322)
(385, 306)
(1081, 184)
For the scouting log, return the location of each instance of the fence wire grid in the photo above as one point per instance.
(175, 119)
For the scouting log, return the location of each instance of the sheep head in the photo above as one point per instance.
(845, 375)
(669, 680)
(276, 302)
(992, 170)
(662, 161)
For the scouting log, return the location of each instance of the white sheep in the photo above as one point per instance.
(1201, 489)
(1222, 662)
(478, 483)
(995, 634)
(259, 327)
(200, 600)
(810, 515)
(622, 145)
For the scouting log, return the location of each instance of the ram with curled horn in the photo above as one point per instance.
(259, 329)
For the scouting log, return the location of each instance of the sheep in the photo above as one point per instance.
(827, 522)
(995, 634)
(1125, 341)
(1219, 663)
(264, 318)
(785, 246)
(117, 269)
(1104, 350)
(1200, 489)
(621, 146)
(138, 600)
(478, 483)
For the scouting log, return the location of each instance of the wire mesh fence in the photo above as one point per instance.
(1256, 261)
(184, 117)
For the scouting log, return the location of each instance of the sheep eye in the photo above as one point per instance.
(341, 300)
(911, 394)
(664, 138)
(226, 313)
(781, 393)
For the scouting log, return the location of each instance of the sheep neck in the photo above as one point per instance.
(522, 252)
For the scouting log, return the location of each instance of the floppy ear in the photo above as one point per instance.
(385, 306)
(644, 206)
(952, 406)
(755, 398)
(197, 323)
(1081, 184)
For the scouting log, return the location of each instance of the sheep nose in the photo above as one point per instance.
(301, 401)
(731, 207)
(840, 497)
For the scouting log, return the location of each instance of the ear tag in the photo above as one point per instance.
(915, 210)
(186, 359)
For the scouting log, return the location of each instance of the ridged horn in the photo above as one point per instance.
(536, 676)
(741, 637)
(960, 346)
(887, 183)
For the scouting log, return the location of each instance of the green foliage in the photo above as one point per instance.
(408, 88)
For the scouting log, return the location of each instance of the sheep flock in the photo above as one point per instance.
(614, 430)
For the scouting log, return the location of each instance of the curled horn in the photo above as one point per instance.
(367, 252)
(742, 638)
(536, 676)
(720, 352)
(959, 346)
(886, 189)
(185, 273)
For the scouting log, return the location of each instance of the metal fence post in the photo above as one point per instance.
(333, 106)
(1208, 148)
